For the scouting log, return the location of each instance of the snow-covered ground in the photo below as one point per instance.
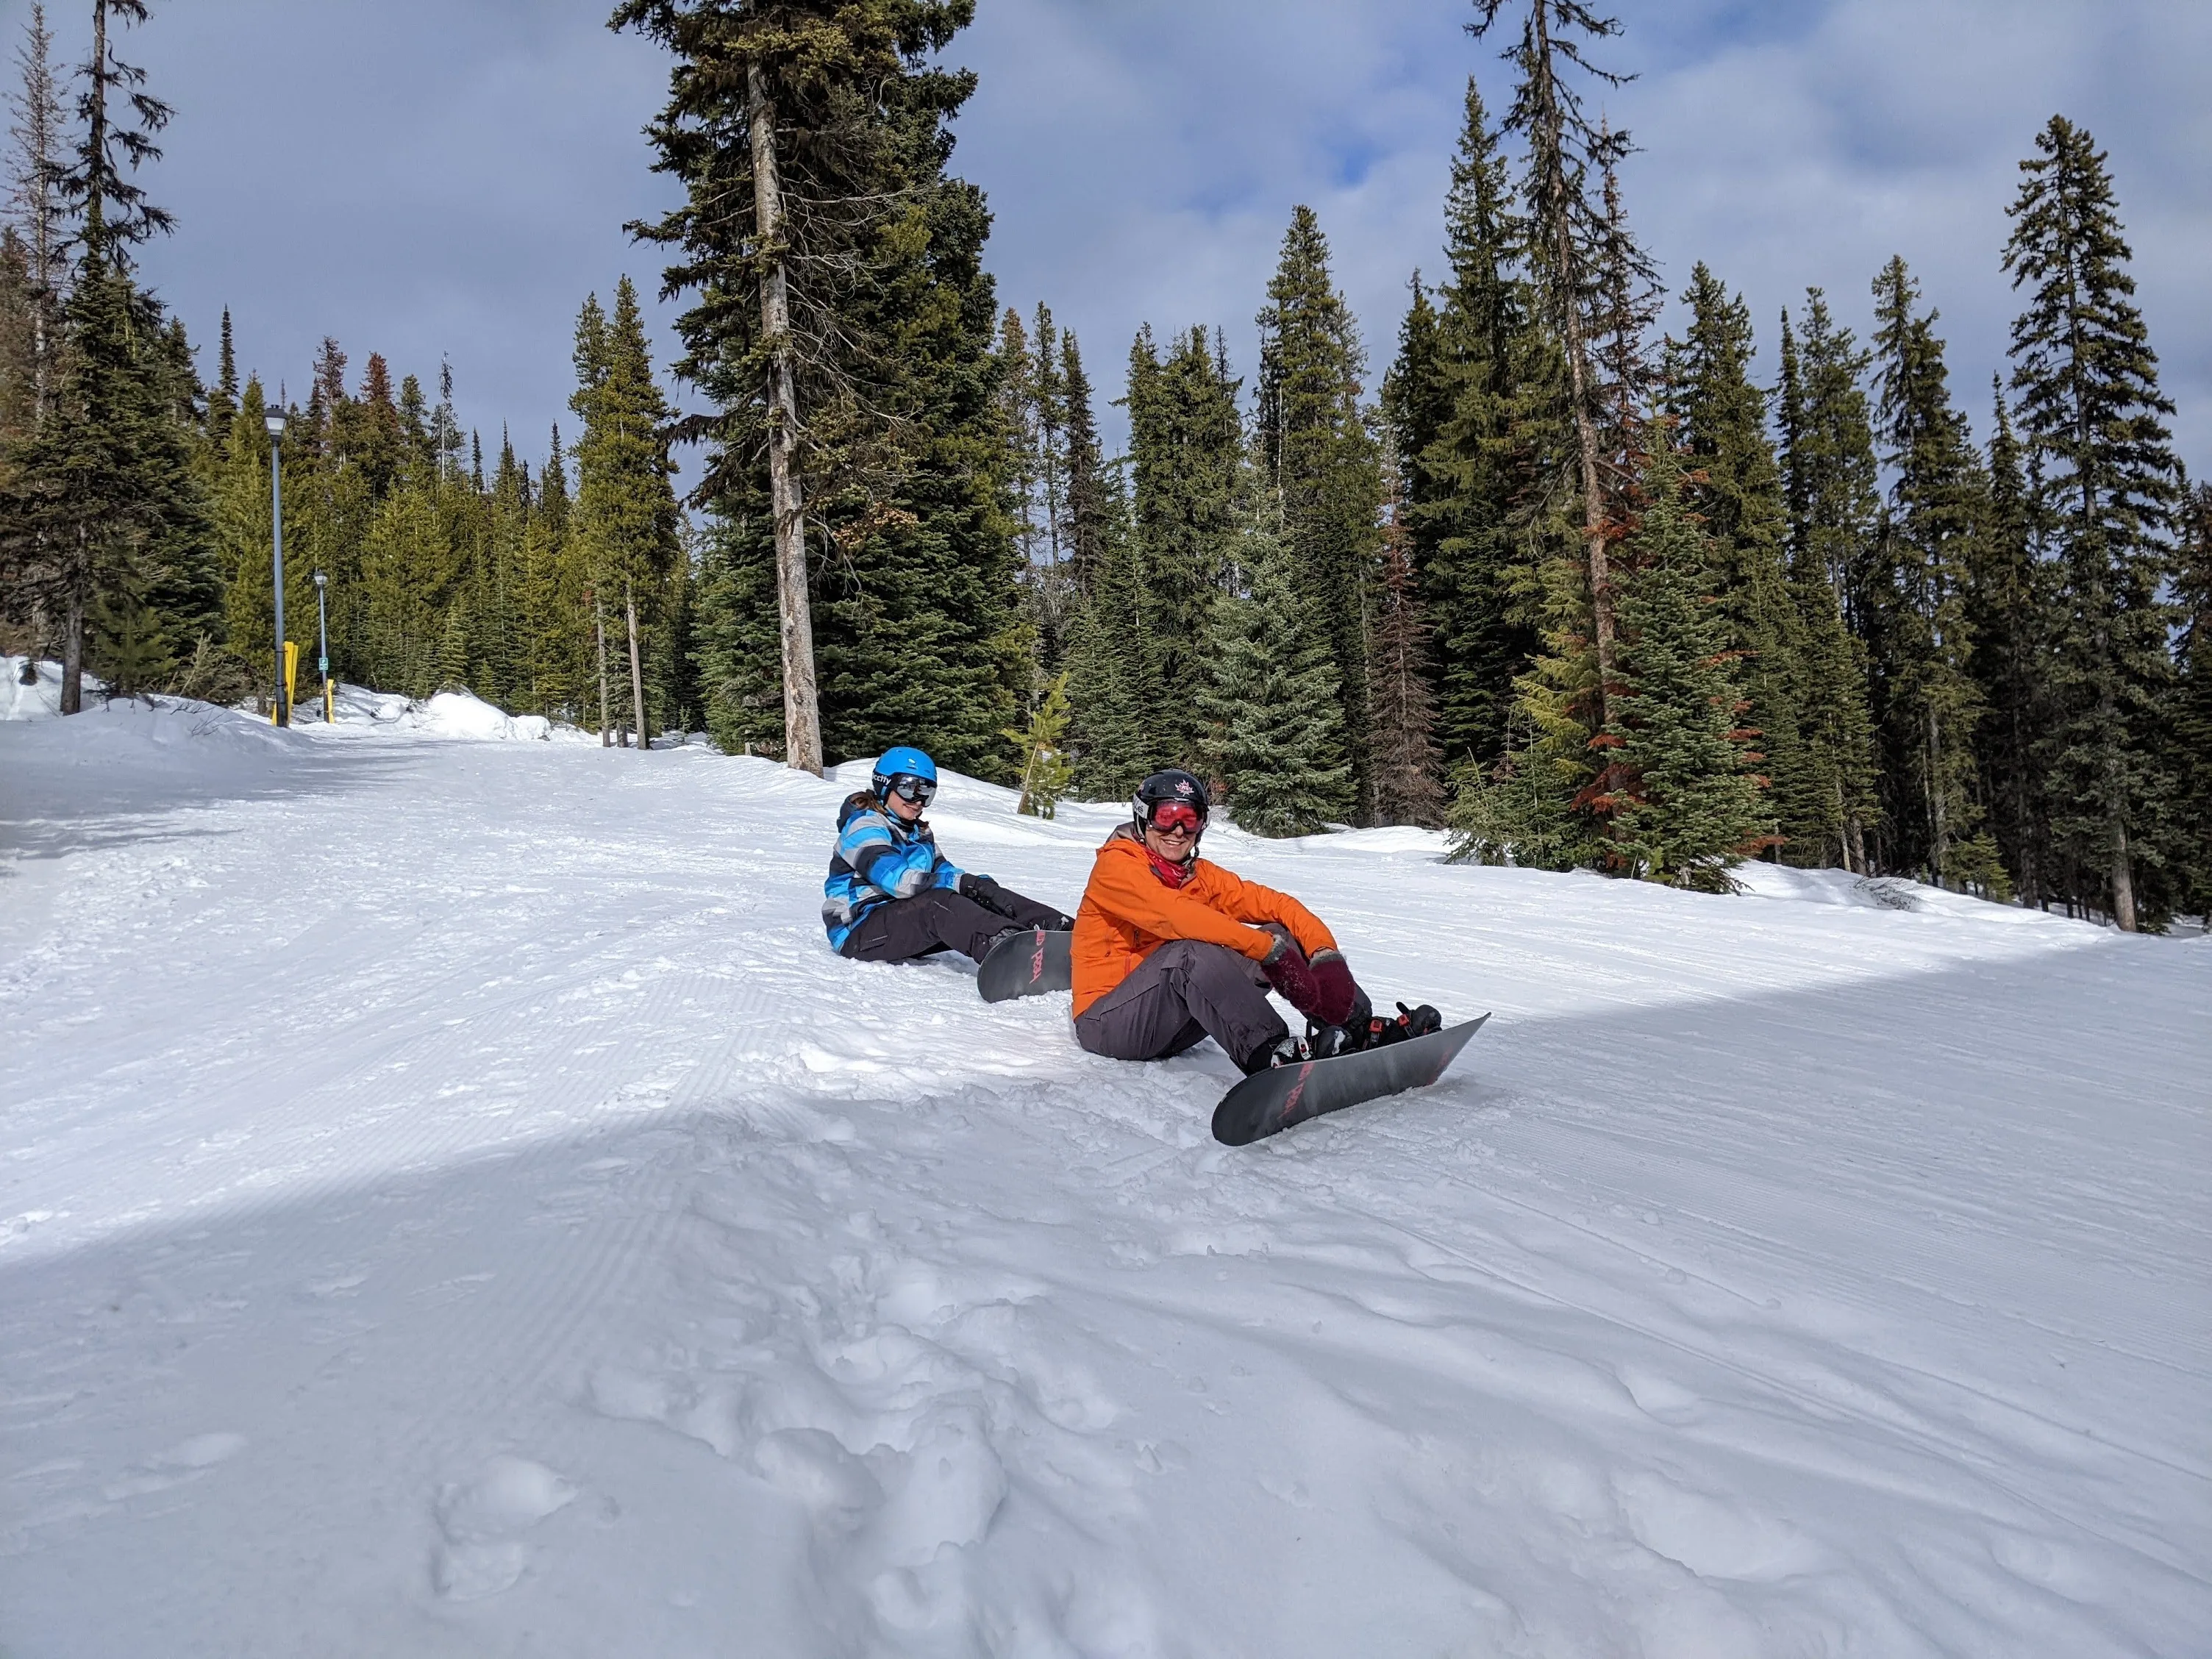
(452, 1202)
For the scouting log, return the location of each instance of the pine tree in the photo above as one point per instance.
(1828, 486)
(1319, 462)
(1112, 695)
(1088, 505)
(818, 228)
(1042, 746)
(1924, 701)
(1407, 784)
(1272, 701)
(1480, 423)
(40, 215)
(2190, 729)
(625, 515)
(1580, 260)
(1722, 435)
(2090, 410)
(843, 328)
(1690, 805)
(1185, 440)
(100, 499)
(2008, 608)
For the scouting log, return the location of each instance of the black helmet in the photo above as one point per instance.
(1162, 787)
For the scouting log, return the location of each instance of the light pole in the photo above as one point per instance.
(323, 647)
(282, 713)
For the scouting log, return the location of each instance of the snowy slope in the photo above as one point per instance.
(451, 1202)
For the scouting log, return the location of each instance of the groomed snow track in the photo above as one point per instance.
(452, 1202)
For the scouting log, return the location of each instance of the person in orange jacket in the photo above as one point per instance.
(1170, 949)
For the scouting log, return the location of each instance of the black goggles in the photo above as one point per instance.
(907, 787)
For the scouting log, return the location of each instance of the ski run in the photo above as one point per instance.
(453, 1202)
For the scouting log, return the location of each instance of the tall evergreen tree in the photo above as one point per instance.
(625, 515)
(1114, 700)
(1407, 775)
(1690, 804)
(37, 213)
(2008, 608)
(1476, 410)
(1722, 436)
(1090, 514)
(809, 136)
(1826, 457)
(2190, 731)
(842, 327)
(2090, 411)
(1185, 448)
(1912, 593)
(1271, 701)
(1319, 462)
(1580, 258)
(101, 514)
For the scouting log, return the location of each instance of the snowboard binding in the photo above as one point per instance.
(1324, 1041)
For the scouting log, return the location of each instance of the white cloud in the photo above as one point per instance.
(417, 177)
(1142, 160)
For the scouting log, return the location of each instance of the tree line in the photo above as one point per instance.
(1587, 594)
(1584, 593)
(136, 503)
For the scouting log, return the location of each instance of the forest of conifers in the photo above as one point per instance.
(1584, 592)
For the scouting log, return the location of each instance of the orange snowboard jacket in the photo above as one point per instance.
(1127, 913)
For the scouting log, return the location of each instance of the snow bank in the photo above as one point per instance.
(457, 714)
(452, 1197)
(40, 700)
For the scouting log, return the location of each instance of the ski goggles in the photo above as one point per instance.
(907, 787)
(1171, 816)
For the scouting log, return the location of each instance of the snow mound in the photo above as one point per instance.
(456, 714)
(42, 698)
(168, 730)
(1895, 893)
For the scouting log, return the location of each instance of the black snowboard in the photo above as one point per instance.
(1271, 1101)
(1026, 964)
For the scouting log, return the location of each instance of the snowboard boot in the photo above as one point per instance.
(1326, 1041)
(1287, 1051)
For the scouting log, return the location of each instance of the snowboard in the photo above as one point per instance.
(1027, 965)
(1270, 1102)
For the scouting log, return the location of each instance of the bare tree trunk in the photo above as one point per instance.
(73, 650)
(599, 627)
(1566, 271)
(636, 670)
(2124, 881)
(1939, 829)
(802, 722)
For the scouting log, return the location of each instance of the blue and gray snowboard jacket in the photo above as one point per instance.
(878, 859)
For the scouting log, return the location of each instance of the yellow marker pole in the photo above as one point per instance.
(329, 701)
(291, 671)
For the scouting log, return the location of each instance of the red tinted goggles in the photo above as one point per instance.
(1171, 816)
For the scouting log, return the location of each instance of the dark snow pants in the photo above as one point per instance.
(938, 920)
(1181, 994)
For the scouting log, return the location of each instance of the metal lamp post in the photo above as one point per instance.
(323, 647)
(282, 715)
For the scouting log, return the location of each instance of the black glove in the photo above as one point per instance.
(1023, 912)
(986, 892)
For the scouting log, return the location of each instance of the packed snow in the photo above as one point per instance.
(452, 1202)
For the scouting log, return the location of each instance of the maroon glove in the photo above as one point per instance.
(1287, 970)
(1339, 1000)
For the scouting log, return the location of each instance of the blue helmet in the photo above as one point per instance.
(900, 763)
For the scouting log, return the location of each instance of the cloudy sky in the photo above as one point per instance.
(449, 178)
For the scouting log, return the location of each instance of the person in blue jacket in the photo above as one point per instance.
(892, 896)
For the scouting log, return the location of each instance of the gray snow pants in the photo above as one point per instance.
(1181, 994)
